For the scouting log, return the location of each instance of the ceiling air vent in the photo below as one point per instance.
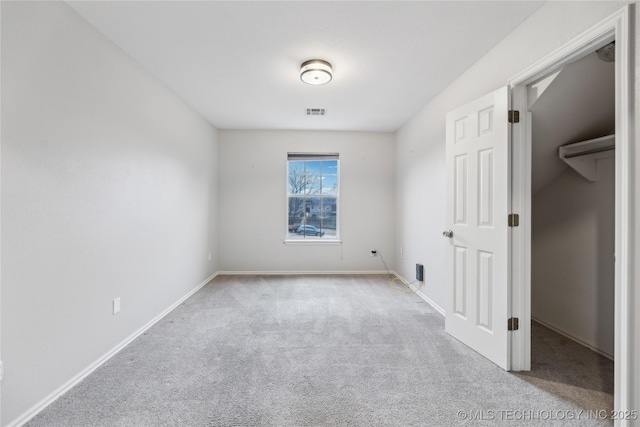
(316, 111)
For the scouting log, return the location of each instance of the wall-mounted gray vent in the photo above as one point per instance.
(316, 111)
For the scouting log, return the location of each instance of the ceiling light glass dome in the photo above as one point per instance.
(315, 72)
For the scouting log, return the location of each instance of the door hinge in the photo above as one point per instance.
(514, 220)
(512, 324)
(514, 116)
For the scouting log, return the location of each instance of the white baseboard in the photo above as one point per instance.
(34, 410)
(302, 273)
(418, 292)
(572, 338)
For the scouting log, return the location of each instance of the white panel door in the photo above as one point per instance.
(478, 201)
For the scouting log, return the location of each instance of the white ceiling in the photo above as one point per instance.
(237, 62)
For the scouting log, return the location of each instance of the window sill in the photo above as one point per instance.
(312, 242)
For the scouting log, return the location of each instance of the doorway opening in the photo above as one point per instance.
(572, 114)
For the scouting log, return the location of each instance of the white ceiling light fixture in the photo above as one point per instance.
(315, 72)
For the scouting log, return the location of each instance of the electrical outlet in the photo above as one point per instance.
(116, 305)
(373, 252)
(209, 256)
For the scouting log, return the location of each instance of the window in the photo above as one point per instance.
(312, 196)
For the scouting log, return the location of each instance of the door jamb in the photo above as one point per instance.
(615, 27)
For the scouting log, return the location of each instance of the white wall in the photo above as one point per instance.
(108, 190)
(253, 203)
(572, 260)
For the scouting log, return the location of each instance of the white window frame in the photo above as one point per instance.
(294, 156)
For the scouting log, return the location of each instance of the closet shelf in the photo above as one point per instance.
(583, 156)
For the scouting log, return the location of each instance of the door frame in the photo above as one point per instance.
(615, 27)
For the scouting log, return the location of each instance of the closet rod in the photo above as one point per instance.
(595, 150)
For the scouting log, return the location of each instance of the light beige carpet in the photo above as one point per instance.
(320, 351)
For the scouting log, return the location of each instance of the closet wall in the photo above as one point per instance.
(573, 256)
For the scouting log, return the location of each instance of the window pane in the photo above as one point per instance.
(296, 207)
(297, 178)
(296, 214)
(330, 177)
(330, 166)
(311, 214)
(313, 184)
(313, 208)
(330, 184)
(313, 167)
(329, 206)
(329, 216)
